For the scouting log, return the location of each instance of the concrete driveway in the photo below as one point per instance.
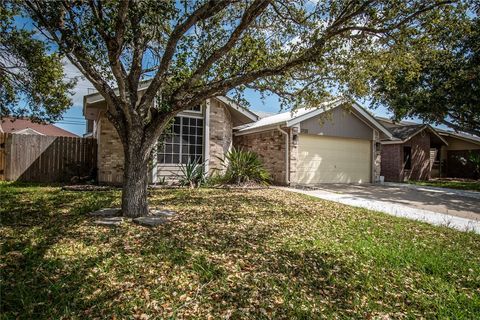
(457, 209)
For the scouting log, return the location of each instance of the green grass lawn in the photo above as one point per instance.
(228, 253)
(461, 185)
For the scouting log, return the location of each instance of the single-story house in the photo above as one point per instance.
(25, 126)
(420, 152)
(202, 133)
(336, 143)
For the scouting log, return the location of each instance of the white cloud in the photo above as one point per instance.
(82, 87)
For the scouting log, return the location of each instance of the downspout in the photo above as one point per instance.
(287, 154)
(207, 136)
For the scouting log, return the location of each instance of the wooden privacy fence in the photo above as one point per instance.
(46, 159)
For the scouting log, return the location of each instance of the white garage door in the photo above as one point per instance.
(333, 160)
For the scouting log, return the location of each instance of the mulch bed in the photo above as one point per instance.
(88, 187)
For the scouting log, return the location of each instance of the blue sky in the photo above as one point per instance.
(74, 122)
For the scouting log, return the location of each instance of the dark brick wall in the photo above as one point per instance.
(391, 162)
(392, 159)
(420, 158)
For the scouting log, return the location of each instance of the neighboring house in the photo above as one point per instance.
(334, 143)
(25, 126)
(420, 152)
(455, 156)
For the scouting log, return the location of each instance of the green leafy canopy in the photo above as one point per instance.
(193, 50)
(434, 74)
(31, 79)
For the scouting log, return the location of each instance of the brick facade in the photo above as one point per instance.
(270, 146)
(392, 165)
(110, 153)
(391, 162)
(110, 149)
(220, 132)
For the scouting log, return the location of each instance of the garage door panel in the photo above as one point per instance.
(333, 160)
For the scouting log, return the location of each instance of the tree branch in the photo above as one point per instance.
(205, 11)
(76, 54)
(250, 14)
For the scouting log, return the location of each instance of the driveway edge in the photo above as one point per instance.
(463, 193)
(431, 217)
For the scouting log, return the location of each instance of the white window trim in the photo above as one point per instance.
(189, 111)
(180, 115)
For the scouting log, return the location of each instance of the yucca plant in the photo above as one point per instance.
(244, 166)
(192, 174)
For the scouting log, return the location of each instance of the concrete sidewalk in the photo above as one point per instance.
(393, 207)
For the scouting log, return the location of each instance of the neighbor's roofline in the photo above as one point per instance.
(458, 136)
(441, 132)
(27, 129)
(420, 129)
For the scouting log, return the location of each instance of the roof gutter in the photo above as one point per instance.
(246, 131)
(287, 155)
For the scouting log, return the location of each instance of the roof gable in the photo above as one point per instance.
(235, 107)
(286, 117)
(406, 132)
(292, 118)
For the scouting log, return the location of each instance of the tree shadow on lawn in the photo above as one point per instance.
(291, 285)
(32, 223)
(224, 250)
(240, 244)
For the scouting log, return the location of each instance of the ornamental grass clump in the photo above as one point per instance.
(192, 174)
(244, 166)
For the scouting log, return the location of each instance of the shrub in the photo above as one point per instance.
(474, 159)
(192, 174)
(244, 166)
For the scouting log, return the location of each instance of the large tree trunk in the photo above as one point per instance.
(135, 181)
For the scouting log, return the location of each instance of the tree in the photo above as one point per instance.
(31, 79)
(444, 86)
(194, 50)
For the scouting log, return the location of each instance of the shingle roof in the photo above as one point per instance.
(469, 137)
(405, 129)
(405, 132)
(10, 125)
(282, 118)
